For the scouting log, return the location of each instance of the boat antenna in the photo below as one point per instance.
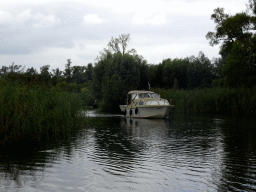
(148, 86)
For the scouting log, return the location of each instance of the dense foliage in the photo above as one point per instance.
(118, 72)
(29, 109)
(212, 100)
(238, 49)
(188, 73)
(115, 74)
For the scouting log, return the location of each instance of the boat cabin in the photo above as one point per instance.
(132, 95)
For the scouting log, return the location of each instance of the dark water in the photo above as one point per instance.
(182, 153)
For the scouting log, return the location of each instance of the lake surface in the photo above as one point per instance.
(185, 152)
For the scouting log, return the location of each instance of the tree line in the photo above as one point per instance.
(119, 70)
(71, 74)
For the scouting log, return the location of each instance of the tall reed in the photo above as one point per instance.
(227, 100)
(32, 111)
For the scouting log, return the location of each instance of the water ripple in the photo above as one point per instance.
(187, 153)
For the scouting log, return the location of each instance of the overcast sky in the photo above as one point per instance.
(34, 33)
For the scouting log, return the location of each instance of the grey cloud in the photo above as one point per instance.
(28, 36)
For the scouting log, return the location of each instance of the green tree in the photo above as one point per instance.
(236, 33)
(16, 68)
(200, 72)
(116, 45)
(238, 69)
(57, 72)
(45, 75)
(144, 73)
(99, 72)
(57, 76)
(78, 74)
(117, 72)
(168, 73)
(89, 72)
(156, 75)
(12, 69)
(112, 89)
(175, 69)
(68, 71)
(129, 72)
(31, 71)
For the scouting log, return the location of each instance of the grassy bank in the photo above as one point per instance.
(34, 110)
(227, 100)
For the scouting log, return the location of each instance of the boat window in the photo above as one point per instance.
(163, 102)
(143, 95)
(152, 102)
(140, 103)
(134, 96)
(154, 95)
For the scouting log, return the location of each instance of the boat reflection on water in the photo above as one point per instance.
(153, 128)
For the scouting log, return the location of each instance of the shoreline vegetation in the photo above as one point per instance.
(212, 100)
(32, 110)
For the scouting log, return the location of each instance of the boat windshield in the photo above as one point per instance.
(134, 96)
(143, 95)
(154, 95)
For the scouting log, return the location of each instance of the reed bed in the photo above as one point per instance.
(32, 111)
(226, 100)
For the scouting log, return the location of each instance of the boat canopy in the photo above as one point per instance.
(140, 95)
(139, 91)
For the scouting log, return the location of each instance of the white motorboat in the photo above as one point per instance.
(146, 104)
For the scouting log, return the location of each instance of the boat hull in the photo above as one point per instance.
(158, 112)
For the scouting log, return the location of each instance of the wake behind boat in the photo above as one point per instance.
(146, 104)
